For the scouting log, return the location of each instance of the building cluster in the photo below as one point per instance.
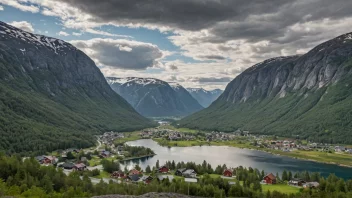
(270, 179)
(108, 138)
(169, 134)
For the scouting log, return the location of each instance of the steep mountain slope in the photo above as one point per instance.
(154, 98)
(204, 97)
(53, 96)
(308, 95)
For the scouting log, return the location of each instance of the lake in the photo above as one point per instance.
(233, 157)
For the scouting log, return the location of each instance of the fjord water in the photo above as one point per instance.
(233, 157)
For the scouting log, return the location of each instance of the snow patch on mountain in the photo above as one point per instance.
(54, 44)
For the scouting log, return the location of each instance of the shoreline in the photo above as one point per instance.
(266, 151)
(134, 158)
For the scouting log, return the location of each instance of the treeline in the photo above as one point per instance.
(136, 151)
(26, 178)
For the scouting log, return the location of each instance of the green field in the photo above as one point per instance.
(283, 188)
(129, 136)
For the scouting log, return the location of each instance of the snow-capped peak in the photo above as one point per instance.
(135, 80)
(54, 44)
(175, 85)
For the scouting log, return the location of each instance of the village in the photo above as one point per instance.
(242, 137)
(102, 163)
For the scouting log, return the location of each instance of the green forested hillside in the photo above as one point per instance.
(309, 96)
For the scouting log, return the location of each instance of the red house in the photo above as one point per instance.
(228, 173)
(117, 174)
(270, 179)
(163, 169)
(135, 172)
(49, 160)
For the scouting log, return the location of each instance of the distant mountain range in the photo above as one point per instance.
(155, 98)
(204, 97)
(308, 95)
(52, 96)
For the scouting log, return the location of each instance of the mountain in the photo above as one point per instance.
(52, 95)
(155, 98)
(204, 97)
(308, 95)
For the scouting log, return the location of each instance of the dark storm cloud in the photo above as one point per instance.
(183, 14)
(225, 19)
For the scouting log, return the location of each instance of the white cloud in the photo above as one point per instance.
(18, 4)
(62, 33)
(24, 25)
(121, 53)
(1, 8)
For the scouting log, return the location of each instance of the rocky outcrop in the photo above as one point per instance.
(320, 67)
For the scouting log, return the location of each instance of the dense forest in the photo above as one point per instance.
(55, 99)
(26, 178)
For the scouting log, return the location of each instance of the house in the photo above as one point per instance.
(296, 182)
(40, 159)
(46, 159)
(117, 174)
(340, 149)
(105, 154)
(269, 179)
(179, 172)
(67, 165)
(311, 185)
(228, 173)
(134, 172)
(79, 167)
(133, 178)
(162, 177)
(146, 179)
(189, 173)
(163, 169)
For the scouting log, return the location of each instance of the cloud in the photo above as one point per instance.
(1, 8)
(19, 5)
(24, 25)
(234, 35)
(76, 34)
(62, 33)
(212, 57)
(121, 53)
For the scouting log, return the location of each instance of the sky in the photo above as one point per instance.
(196, 43)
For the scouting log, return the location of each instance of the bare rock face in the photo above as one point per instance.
(321, 67)
(305, 95)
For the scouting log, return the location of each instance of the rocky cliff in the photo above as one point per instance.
(305, 95)
(53, 96)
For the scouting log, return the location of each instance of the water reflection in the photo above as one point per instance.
(218, 155)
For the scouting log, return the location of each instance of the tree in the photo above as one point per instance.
(284, 176)
(147, 169)
(157, 164)
(137, 167)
